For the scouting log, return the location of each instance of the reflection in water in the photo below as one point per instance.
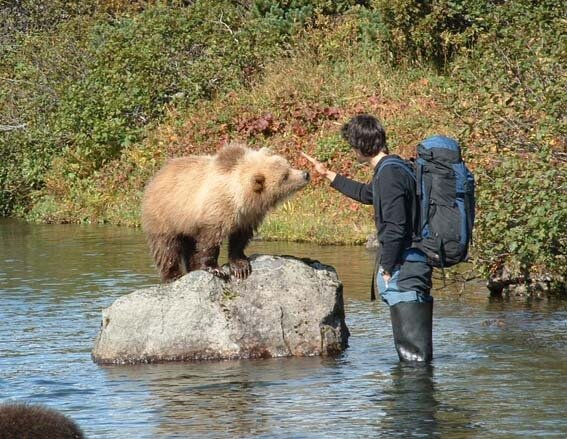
(498, 371)
(409, 401)
(230, 396)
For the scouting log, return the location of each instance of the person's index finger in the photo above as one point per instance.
(308, 157)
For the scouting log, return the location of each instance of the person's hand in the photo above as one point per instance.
(320, 167)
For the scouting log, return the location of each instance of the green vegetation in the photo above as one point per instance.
(95, 95)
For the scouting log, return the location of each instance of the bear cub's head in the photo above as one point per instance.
(266, 178)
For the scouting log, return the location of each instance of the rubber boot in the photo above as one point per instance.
(412, 324)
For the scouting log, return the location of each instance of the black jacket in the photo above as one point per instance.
(395, 208)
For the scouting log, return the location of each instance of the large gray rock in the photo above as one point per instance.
(286, 307)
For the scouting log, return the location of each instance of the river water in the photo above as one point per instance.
(500, 367)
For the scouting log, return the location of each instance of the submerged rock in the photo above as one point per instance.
(286, 307)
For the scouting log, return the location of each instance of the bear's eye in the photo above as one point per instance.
(285, 176)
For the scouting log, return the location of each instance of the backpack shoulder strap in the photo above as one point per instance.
(409, 169)
(396, 161)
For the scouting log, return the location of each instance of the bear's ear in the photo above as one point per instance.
(229, 156)
(258, 181)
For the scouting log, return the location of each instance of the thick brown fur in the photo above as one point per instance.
(24, 421)
(194, 203)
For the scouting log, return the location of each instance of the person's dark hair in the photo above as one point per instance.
(365, 133)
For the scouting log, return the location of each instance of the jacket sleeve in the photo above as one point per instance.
(394, 219)
(353, 189)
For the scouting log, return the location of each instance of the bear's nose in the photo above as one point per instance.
(306, 175)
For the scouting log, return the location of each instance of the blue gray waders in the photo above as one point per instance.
(411, 306)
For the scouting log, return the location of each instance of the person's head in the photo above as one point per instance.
(366, 135)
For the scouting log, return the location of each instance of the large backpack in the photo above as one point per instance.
(445, 192)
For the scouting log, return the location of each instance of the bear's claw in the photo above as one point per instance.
(240, 268)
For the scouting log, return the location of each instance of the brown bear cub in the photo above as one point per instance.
(194, 203)
(35, 421)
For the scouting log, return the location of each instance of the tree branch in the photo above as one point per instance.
(12, 127)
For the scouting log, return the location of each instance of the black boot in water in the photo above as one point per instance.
(412, 324)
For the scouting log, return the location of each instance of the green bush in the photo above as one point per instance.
(510, 90)
(137, 65)
(426, 31)
(521, 230)
(35, 69)
(510, 94)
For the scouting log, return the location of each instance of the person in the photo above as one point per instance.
(403, 276)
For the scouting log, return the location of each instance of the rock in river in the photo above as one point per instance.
(286, 307)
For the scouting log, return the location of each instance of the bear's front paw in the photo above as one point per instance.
(240, 268)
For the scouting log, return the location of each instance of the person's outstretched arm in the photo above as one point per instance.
(353, 189)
